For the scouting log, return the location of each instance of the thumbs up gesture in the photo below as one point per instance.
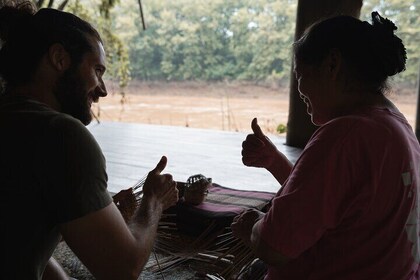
(257, 149)
(161, 187)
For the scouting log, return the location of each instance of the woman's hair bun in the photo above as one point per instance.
(383, 23)
(13, 16)
(387, 46)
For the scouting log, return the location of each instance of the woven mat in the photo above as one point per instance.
(191, 235)
(74, 267)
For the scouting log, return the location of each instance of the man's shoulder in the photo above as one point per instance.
(70, 130)
(18, 103)
(37, 117)
(63, 121)
(28, 109)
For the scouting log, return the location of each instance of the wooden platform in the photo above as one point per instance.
(132, 150)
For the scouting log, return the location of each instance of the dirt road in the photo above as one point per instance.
(210, 106)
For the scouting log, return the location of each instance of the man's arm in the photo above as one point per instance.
(104, 243)
(54, 271)
(107, 246)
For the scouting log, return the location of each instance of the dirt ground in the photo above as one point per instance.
(221, 106)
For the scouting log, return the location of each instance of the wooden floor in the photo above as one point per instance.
(132, 150)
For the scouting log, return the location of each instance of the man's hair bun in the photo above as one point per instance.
(13, 17)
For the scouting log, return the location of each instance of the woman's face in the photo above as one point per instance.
(315, 90)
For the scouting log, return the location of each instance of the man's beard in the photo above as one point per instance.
(72, 95)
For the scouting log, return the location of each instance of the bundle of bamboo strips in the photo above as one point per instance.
(128, 200)
(216, 252)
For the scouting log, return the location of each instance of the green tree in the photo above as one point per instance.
(218, 40)
(214, 40)
(262, 39)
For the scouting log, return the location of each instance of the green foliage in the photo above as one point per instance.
(238, 39)
(212, 40)
(118, 67)
(106, 6)
(219, 40)
(118, 64)
(281, 128)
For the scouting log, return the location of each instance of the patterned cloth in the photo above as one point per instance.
(221, 206)
(226, 201)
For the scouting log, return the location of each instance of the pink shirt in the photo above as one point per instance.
(349, 207)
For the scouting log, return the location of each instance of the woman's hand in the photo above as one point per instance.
(259, 151)
(243, 223)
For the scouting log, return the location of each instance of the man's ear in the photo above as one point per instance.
(59, 57)
(334, 63)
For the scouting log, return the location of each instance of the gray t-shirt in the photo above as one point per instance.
(51, 171)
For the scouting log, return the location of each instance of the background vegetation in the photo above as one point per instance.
(237, 39)
(219, 39)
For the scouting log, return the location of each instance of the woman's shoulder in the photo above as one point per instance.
(371, 119)
(342, 126)
(365, 126)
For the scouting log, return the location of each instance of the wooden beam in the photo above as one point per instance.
(299, 125)
(417, 129)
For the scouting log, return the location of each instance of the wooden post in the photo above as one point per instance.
(299, 125)
(417, 129)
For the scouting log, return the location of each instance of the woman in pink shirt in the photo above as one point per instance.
(348, 208)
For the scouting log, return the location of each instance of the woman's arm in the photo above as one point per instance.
(263, 251)
(246, 227)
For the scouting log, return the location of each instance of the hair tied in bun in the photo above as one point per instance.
(383, 24)
(387, 46)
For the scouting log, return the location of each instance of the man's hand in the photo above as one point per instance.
(161, 186)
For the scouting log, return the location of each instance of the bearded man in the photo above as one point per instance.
(53, 181)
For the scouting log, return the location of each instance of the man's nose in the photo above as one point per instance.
(101, 89)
